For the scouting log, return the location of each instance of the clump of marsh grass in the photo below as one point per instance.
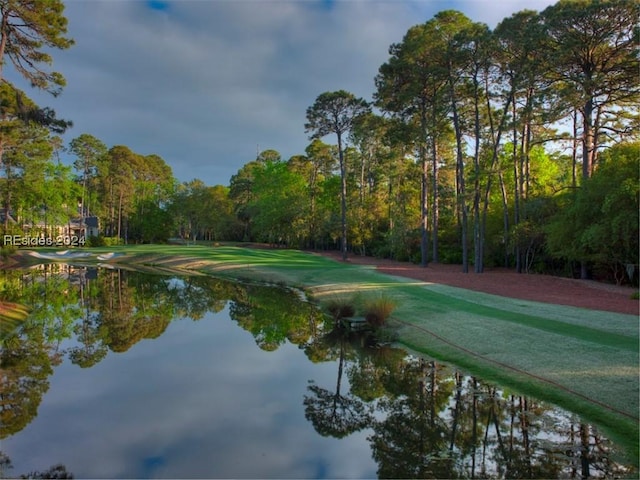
(378, 309)
(340, 307)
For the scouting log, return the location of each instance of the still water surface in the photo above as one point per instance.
(121, 374)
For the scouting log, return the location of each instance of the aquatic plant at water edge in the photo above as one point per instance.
(378, 309)
(340, 307)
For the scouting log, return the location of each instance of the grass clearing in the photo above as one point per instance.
(584, 360)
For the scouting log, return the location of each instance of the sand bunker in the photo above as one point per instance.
(108, 256)
(66, 255)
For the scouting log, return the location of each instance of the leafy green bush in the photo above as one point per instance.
(95, 241)
(112, 241)
(598, 224)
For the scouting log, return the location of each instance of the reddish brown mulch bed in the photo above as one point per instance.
(499, 281)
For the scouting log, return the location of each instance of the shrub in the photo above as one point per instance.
(7, 250)
(95, 241)
(378, 309)
(340, 307)
(112, 241)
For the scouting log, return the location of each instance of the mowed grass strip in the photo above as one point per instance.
(591, 364)
(604, 373)
(445, 303)
(615, 323)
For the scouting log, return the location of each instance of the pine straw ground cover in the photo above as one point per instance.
(584, 360)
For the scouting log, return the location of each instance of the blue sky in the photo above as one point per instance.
(205, 84)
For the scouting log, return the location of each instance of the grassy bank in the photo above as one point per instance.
(584, 360)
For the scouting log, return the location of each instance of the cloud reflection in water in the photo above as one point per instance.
(199, 401)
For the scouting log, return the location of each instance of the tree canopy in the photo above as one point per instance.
(509, 146)
(28, 30)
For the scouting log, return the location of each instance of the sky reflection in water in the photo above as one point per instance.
(199, 401)
(203, 401)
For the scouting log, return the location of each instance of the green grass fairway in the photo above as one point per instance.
(584, 360)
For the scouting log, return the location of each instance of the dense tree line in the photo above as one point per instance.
(516, 146)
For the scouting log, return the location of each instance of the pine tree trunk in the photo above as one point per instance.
(343, 199)
(435, 204)
(462, 204)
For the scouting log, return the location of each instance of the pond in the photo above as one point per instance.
(125, 374)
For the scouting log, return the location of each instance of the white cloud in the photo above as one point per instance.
(203, 83)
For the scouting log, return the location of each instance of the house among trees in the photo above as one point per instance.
(83, 227)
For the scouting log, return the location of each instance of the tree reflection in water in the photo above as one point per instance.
(422, 419)
(334, 413)
(428, 420)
